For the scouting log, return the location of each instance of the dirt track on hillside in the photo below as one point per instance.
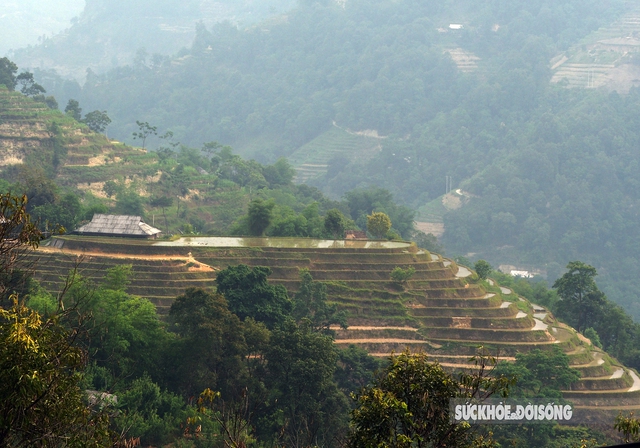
(198, 266)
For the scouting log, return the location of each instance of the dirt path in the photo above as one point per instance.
(365, 328)
(379, 341)
(198, 266)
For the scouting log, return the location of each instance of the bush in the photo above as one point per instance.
(483, 268)
(400, 275)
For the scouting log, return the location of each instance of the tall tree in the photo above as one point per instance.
(334, 223)
(18, 236)
(407, 405)
(211, 347)
(97, 120)
(42, 401)
(310, 302)
(308, 409)
(259, 216)
(378, 224)
(250, 295)
(8, 73)
(29, 86)
(144, 130)
(582, 302)
(74, 110)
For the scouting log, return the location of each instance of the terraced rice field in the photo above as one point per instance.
(312, 159)
(441, 310)
(601, 59)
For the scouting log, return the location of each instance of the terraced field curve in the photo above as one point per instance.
(443, 309)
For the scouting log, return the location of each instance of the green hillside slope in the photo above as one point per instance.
(443, 309)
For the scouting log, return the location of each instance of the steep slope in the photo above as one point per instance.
(33, 134)
(442, 309)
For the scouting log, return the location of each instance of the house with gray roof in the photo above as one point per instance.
(118, 225)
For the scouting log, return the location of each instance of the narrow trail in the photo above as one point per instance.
(636, 381)
(88, 254)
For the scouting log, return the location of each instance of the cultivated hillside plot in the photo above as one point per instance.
(442, 310)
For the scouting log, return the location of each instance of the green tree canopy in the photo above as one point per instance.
(97, 120)
(334, 223)
(8, 73)
(211, 347)
(407, 405)
(250, 294)
(42, 402)
(582, 302)
(378, 224)
(73, 109)
(310, 302)
(29, 86)
(259, 216)
(482, 268)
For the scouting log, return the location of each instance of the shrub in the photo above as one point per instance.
(400, 275)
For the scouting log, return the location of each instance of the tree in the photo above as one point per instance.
(128, 202)
(378, 224)
(540, 373)
(334, 223)
(307, 407)
(29, 86)
(18, 236)
(211, 347)
(144, 131)
(163, 202)
(280, 173)
(259, 216)
(483, 269)
(97, 121)
(8, 73)
(42, 401)
(400, 275)
(250, 295)
(407, 404)
(73, 110)
(629, 427)
(310, 303)
(582, 302)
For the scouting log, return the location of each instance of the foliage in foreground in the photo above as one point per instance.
(407, 404)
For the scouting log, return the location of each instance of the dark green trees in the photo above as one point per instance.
(97, 120)
(582, 301)
(8, 73)
(482, 268)
(259, 216)
(43, 403)
(407, 405)
(211, 344)
(250, 295)
(73, 109)
(334, 223)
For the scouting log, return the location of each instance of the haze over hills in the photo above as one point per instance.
(26, 22)
(112, 33)
(386, 93)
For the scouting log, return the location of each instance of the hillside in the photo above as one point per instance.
(107, 34)
(443, 309)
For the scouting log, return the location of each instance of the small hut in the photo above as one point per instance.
(355, 235)
(125, 226)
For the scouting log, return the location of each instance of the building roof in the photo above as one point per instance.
(124, 225)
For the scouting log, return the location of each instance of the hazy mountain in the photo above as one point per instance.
(111, 33)
(25, 22)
